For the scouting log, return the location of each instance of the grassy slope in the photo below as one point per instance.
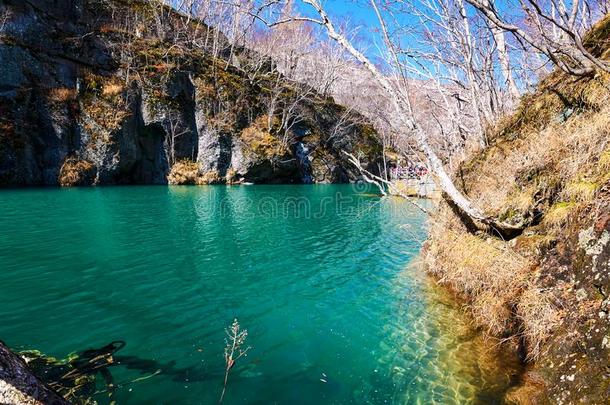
(548, 168)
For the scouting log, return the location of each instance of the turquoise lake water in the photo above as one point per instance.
(321, 276)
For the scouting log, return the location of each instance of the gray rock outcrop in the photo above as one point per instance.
(18, 386)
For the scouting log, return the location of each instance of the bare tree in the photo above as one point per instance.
(383, 184)
(175, 132)
(400, 99)
(555, 31)
(300, 53)
(505, 63)
(283, 100)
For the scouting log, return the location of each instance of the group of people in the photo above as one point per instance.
(412, 171)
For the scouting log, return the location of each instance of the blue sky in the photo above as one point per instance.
(358, 12)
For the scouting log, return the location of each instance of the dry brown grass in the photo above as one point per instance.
(62, 94)
(539, 316)
(486, 270)
(112, 89)
(582, 190)
(187, 172)
(497, 282)
(553, 139)
(558, 214)
(76, 172)
(604, 161)
(552, 168)
(211, 177)
(510, 174)
(184, 172)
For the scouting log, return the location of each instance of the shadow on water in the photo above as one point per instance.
(83, 375)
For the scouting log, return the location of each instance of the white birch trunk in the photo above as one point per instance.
(504, 59)
(403, 107)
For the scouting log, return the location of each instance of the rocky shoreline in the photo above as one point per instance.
(19, 386)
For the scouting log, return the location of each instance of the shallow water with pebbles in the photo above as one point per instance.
(322, 276)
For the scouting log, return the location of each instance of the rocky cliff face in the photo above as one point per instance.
(120, 92)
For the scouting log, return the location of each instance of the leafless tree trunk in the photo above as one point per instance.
(174, 134)
(402, 105)
(504, 59)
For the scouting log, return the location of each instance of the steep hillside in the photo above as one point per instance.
(117, 91)
(547, 290)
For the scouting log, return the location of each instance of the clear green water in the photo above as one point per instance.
(319, 275)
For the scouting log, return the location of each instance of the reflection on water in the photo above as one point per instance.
(319, 275)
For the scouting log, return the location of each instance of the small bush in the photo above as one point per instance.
(232, 176)
(102, 109)
(62, 94)
(75, 172)
(184, 172)
(187, 172)
(210, 177)
(260, 141)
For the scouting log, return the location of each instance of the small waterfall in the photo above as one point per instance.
(304, 161)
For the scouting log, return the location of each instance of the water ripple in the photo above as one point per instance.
(335, 315)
